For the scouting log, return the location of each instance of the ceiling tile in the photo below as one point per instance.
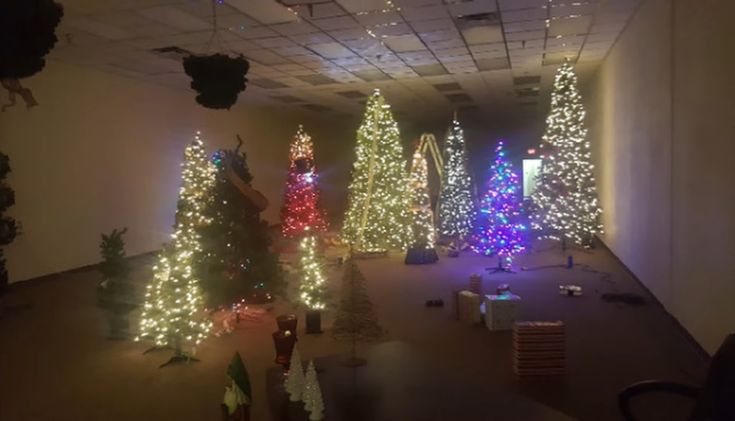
(404, 43)
(493, 63)
(264, 11)
(474, 7)
(412, 14)
(267, 83)
(331, 50)
(294, 28)
(175, 18)
(342, 22)
(482, 34)
(570, 26)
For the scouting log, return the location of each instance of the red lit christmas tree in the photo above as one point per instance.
(301, 202)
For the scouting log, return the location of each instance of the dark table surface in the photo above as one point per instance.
(398, 385)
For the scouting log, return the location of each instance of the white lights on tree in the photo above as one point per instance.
(565, 205)
(421, 246)
(312, 289)
(376, 215)
(456, 207)
(173, 309)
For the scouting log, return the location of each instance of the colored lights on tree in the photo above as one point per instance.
(376, 217)
(565, 205)
(300, 209)
(497, 229)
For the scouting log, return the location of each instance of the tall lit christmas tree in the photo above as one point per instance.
(498, 230)
(565, 205)
(456, 207)
(377, 211)
(301, 199)
(421, 245)
(173, 309)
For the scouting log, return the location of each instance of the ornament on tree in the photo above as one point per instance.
(313, 401)
(376, 217)
(295, 382)
(456, 208)
(173, 309)
(301, 214)
(498, 230)
(421, 247)
(565, 205)
(236, 261)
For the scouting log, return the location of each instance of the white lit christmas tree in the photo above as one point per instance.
(313, 401)
(376, 213)
(312, 290)
(295, 382)
(421, 245)
(173, 309)
(456, 207)
(565, 205)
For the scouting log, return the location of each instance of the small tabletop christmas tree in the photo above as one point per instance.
(421, 247)
(238, 396)
(301, 213)
(295, 383)
(497, 229)
(313, 401)
(565, 205)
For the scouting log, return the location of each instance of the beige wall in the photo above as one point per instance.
(103, 151)
(661, 113)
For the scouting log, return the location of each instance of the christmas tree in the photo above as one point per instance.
(237, 262)
(313, 401)
(497, 228)
(301, 202)
(377, 214)
(238, 396)
(312, 290)
(456, 208)
(355, 320)
(421, 247)
(295, 382)
(565, 205)
(173, 307)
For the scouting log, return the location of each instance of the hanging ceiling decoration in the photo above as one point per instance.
(217, 77)
(27, 34)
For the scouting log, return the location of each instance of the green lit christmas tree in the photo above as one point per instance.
(376, 218)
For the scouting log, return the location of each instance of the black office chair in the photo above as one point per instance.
(715, 401)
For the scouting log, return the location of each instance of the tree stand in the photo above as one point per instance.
(420, 256)
(178, 358)
(499, 268)
(313, 322)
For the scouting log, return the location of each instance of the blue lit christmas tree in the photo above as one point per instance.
(498, 230)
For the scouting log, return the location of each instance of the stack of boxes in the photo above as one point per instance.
(539, 348)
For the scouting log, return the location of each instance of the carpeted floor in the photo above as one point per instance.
(55, 363)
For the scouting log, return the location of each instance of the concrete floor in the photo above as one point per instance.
(55, 363)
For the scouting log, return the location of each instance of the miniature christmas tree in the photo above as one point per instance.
(565, 205)
(295, 383)
(301, 213)
(173, 306)
(421, 247)
(237, 262)
(313, 289)
(497, 229)
(313, 401)
(356, 320)
(115, 292)
(456, 208)
(376, 215)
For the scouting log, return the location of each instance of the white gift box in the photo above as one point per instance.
(501, 311)
(469, 307)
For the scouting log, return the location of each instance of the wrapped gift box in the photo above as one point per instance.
(469, 307)
(501, 311)
(539, 348)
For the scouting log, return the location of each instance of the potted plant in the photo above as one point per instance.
(115, 292)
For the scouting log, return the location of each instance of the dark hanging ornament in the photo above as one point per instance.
(218, 78)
